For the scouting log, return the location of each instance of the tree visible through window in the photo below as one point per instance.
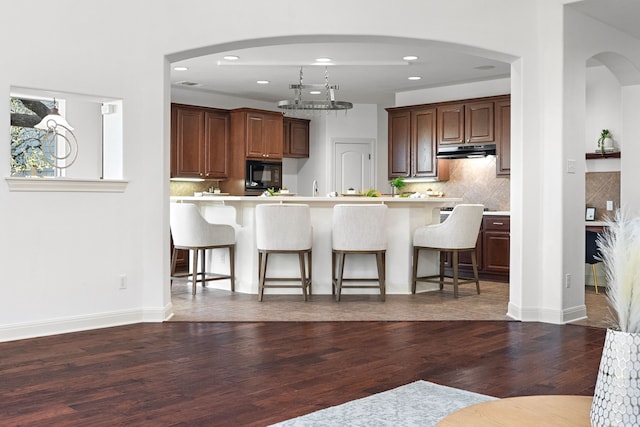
(27, 155)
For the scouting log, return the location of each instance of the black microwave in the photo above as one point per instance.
(262, 175)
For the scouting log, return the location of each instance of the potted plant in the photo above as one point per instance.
(617, 386)
(398, 184)
(605, 142)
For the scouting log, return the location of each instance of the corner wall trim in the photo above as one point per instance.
(66, 185)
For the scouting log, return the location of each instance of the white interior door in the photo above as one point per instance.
(353, 165)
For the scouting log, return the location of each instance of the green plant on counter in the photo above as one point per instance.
(271, 191)
(398, 183)
(371, 193)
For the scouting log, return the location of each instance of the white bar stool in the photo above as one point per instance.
(284, 229)
(358, 229)
(192, 232)
(458, 233)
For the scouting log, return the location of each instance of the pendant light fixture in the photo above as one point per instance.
(328, 104)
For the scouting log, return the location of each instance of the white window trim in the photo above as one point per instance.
(60, 184)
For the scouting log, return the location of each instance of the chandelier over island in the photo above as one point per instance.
(328, 104)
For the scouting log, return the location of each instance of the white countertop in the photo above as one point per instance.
(322, 200)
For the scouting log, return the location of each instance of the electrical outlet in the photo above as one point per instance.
(567, 280)
(571, 166)
(123, 281)
(609, 205)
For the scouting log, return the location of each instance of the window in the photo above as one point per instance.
(91, 152)
(32, 150)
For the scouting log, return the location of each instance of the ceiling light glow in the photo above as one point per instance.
(180, 68)
(414, 78)
(410, 58)
(323, 59)
(231, 57)
(263, 82)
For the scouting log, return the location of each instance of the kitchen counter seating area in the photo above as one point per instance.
(404, 216)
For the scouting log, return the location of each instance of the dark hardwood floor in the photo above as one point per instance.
(245, 374)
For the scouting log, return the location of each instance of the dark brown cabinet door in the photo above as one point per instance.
(451, 124)
(479, 122)
(295, 138)
(399, 144)
(199, 142)
(495, 244)
(188, 142)
(216, 145)
(503, 138)
(423, 142)
(263, 135)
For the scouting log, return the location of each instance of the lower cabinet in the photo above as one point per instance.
(492, 251)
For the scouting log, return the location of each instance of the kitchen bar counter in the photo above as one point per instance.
(404, 216)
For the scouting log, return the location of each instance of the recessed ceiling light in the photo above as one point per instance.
(315, 92)
(323, 59)
(414, 78)
(263, 82)
(180, 68)
(410, 58)
(231, 57)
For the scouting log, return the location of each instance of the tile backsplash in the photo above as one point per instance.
(475, 181)
(600, 187)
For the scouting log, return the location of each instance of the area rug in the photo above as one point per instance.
(420, 403)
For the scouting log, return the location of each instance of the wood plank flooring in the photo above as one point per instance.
(254, 374)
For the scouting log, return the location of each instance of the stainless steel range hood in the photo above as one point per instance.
(466, 151)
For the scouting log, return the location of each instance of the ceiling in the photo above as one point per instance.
(366, 71)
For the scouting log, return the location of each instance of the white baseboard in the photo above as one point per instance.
(64, 325)
(547, 316)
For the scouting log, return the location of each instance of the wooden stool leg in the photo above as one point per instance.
(475, 270)
(174, 260)
(262, 269)
(232, 267)
(333, 272)
(194, 277)
(416, 253)
(455, 273)
(341, 257)
(380, 261)
(595, 277)
(303, 274)
(442, 258)
(310, 281)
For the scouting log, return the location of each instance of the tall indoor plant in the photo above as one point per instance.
(616, 400)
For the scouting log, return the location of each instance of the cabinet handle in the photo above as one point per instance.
(497, 223)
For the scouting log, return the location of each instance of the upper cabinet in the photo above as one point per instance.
(199, 142)
(415, 132)
(503, 137)
(261, 133)
(412, 144)
(295, 137)
(466, 123)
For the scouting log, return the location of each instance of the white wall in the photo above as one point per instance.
(118, 49)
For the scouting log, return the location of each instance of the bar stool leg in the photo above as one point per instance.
(303, 274)
(232, 267)
(443, 255)
(262, 269)
(380, 261)
(474, 262)
(595, 277)
(455, 273)
(341, 256)
(310, 271)
(416, 253)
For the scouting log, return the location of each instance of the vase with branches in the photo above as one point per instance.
(617, 390)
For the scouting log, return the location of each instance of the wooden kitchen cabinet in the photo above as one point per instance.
(199, 142)
(260, 132)
(503, 137)
(466, 123)
(495, 244)
(295, 141)
(412, 144)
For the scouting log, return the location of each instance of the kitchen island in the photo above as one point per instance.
(404, 215)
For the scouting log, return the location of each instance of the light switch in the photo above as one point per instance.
(609, 205)
(571, 166)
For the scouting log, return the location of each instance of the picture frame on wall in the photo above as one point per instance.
(590, 214)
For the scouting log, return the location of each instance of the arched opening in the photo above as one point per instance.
(373, 40)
